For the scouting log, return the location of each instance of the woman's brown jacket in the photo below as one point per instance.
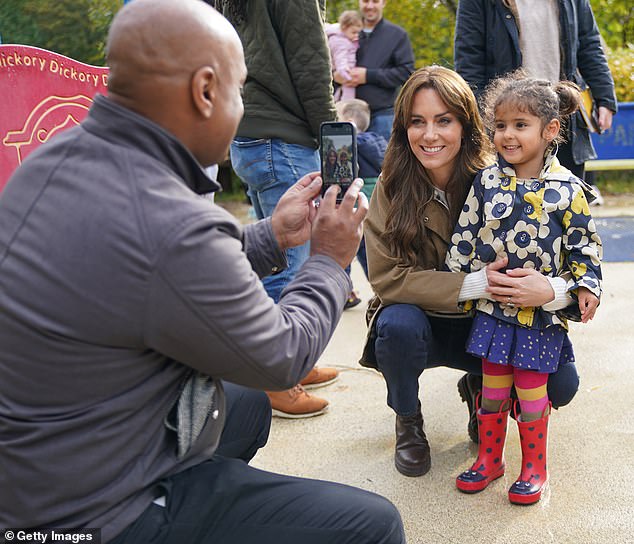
(424, 284)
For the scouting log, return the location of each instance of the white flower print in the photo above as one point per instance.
(557, 196)
(486, 306)
(469, 214)
(576, 238)
(461, 250)
(521, 239)
(491, 178)
(500, 206)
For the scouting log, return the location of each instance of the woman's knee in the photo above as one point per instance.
(563, 385)
(400, 323)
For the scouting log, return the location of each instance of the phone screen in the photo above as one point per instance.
(338, 151)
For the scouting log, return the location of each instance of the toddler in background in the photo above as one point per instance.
(370, 152)
(343, 39)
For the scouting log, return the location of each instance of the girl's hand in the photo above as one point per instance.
(523, 287)
(588, 304)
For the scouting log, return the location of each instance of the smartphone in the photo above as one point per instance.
(338, 152)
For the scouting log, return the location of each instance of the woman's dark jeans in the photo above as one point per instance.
(409, 341)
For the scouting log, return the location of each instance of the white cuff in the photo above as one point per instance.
(562, 297)
(475, 286)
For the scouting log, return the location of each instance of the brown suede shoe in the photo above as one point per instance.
(320, 377)
(412, 456)
(296, 403)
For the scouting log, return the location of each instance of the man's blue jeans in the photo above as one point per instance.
(409, 341)
(381, 122)
(269, 167)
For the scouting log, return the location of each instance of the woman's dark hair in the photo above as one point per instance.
(407, 184)
(539, 97)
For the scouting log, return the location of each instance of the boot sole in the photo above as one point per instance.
(478, 486)
(466, 397)
(286, 415)
(413, 472)
(527, 500)
(317, 385)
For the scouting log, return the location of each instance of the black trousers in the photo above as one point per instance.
(225, 501)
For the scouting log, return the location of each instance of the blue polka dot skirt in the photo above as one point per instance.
(510, 344)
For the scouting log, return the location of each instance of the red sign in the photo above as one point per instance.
(41, 94)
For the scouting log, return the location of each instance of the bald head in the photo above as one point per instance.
(156, 51)
(163, 40)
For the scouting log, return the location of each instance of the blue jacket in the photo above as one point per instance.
(387, 54)
(370, 151)
(487, 46)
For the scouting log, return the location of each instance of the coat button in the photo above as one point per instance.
(425, 219)
(508, 15)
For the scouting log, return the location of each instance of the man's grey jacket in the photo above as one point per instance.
(117, 282)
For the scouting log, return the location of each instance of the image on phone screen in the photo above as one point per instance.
(338, 150)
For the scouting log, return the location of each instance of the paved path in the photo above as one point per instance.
(591, 497)
(617, 235)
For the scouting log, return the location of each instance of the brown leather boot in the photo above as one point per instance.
(412, 456)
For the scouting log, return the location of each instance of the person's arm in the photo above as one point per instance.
(208, 310)
(262, 250)
(591, 59)
(582, 246)
(400, 68)
(308, 65)
(393, 282)
(339, 46)
(470, 44)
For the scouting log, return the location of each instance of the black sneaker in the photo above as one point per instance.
(469, 386)
(352, 301)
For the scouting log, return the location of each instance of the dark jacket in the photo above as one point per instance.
(487, 46)
(387, 54)
(371, 151)
(116, 282)
(288, 91)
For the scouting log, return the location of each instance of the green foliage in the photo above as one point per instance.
(75, 28)
(615, 19)
(621, 63)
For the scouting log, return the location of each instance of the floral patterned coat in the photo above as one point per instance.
(542, 223)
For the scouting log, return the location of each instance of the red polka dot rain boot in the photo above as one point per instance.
(534, 476)
(490, 462)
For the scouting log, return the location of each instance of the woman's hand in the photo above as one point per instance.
(524, 287)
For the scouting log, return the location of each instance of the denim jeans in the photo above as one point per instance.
(269, 168)
(381, 123)
(409, 341)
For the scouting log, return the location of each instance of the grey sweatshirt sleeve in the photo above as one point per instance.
(208, 309)
(264, 254)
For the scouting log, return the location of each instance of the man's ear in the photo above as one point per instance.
(551, 130)
(203, 88)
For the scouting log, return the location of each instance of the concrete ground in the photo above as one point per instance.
(591, 446)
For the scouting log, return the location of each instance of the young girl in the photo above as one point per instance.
(343, 40)
(529, 209)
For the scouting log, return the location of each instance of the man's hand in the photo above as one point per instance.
(588, 304)
(337, 229)
(605, 118)
(359, 76)
(292, 217)
(524, 287)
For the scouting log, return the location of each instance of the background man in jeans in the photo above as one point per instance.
(287, 95)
